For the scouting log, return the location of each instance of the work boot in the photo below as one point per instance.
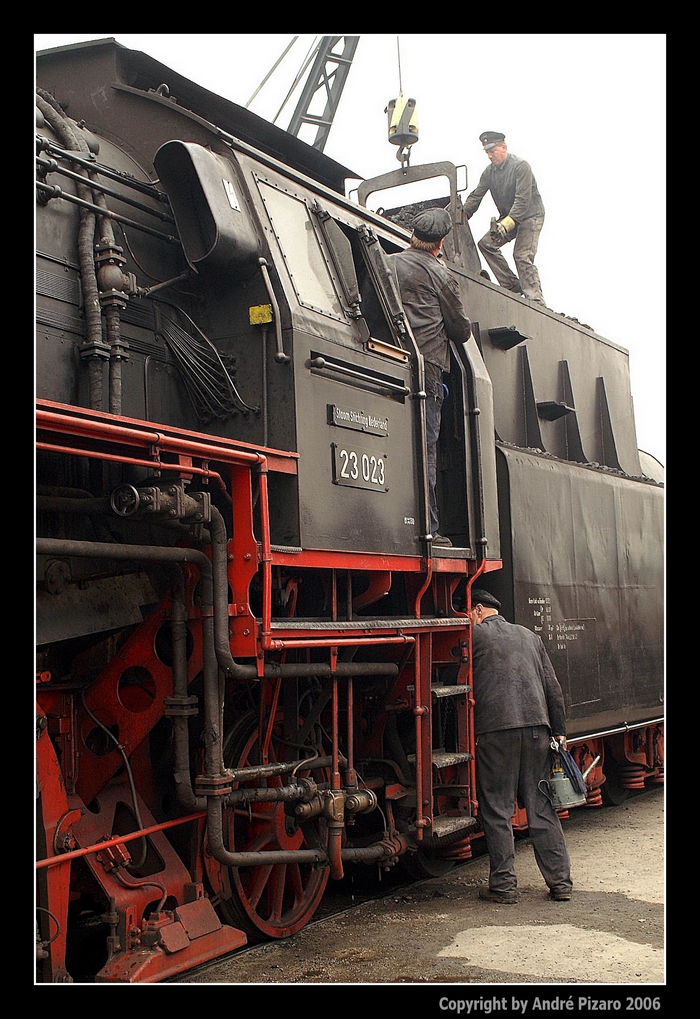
(506, 898)
(560, 894)
(440, 539)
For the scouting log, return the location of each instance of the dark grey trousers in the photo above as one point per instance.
(435, 395)
(526, 236)
(511, 763)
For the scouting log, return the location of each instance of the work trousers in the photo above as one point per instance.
(526, 236)
(435, 395)
(514, 763)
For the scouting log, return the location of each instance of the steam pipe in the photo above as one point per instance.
(116, 550)
(388, 847)
(100, 267)
(94, 350)
(145, 187)
(365, 854)
(53, 166)
(336, 821)
(179, 705)
(54, 191)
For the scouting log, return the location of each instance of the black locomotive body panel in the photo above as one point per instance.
(583, 567)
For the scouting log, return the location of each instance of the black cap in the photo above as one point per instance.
(432, 225)
(480, 597)
(490, 138)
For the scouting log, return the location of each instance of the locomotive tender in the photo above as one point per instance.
(253, 669)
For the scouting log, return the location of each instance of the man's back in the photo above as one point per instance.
(431, 299)
(514, 682)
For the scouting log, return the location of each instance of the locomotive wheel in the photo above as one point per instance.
(424, 864)
(612, 789)
(278, 900)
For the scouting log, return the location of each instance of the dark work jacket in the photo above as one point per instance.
(514, 681)
(513, 189)
(431, 299)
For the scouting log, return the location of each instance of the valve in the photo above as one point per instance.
(361, 801)
(165, 499)
(115, 285)
(125, 500)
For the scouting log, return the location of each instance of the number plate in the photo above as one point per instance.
(359, 467)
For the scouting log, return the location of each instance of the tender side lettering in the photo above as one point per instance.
(562, 635)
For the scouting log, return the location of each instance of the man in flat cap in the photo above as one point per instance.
(431, 299)
(521, 216)
(518, 709)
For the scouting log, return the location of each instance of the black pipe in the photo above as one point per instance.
(54, 191)
(178, 705)
(366, 854)
(94, 350)
(116, 352)
(145, 187)
(53, 166)
(117, 550)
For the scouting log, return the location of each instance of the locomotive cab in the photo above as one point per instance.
(337, 368)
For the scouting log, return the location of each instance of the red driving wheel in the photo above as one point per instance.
(272, 901)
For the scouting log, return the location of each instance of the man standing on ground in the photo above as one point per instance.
(521, 216)
(431, 299)
(519, 706)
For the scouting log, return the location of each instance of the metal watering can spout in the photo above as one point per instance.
(591, 766)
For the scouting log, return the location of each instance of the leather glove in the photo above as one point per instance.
(503, 227)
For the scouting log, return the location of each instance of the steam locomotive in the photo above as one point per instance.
(253, 667)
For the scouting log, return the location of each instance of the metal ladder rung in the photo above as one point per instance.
(446, 825)
(456, 690)
(441, 759)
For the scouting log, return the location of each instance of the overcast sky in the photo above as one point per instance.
(588, 112)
